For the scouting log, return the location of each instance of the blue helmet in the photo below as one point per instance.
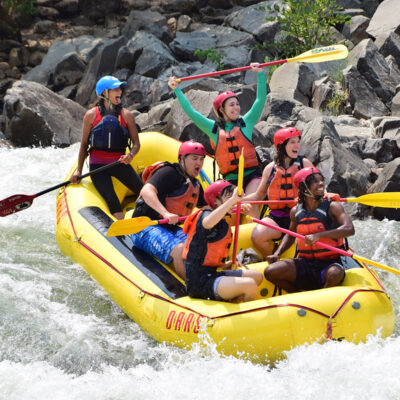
(108, 82)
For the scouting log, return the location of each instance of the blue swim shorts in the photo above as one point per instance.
(159, 241)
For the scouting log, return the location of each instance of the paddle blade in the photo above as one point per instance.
(376, 264)
(15, 203)
(322, 54)
(385, 200)
(129, 226)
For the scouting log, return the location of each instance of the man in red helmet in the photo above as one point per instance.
(170, 191)
(317, 219)
(207, 246)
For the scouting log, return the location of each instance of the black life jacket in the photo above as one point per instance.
(109, 131)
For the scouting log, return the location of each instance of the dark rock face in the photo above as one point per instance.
(348, 111)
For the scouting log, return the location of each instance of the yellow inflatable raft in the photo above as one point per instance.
(154, 296)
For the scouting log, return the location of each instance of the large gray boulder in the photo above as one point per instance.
(36, 116)
(66, 57)
(344, 173)
(385, 19)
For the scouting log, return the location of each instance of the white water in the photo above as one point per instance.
(61, 337)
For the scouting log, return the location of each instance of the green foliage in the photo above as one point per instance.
(336, 101)
(271, 69)
(212, 54)
(19, 6)
(306, 24)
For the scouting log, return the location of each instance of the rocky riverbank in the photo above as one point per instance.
(48, 71)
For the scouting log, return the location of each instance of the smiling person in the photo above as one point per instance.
(106, 132)
(170, 191)
(231, 132)
(317, 219)
(277, 184)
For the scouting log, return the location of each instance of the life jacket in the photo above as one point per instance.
(314, 222)
(217, 251)
(229, 146)
(281, 186)
(109, 132)
(180, 201)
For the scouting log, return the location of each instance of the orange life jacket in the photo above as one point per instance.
(314, 222)
(216, 252)
(281, 186)
(229, 146)
(181, 201)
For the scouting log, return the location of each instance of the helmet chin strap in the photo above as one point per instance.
(106, 98)
(309, 194)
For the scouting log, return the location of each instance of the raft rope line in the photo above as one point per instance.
(330, 318)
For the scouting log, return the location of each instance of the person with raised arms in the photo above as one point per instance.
(231, 132)
(277, 185)
(318, 220)
(207, 246)
(170, 191)
(107, 128)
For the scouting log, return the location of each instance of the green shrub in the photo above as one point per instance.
(306, 24)
(212, 54)
(336, 101)
(19, 6)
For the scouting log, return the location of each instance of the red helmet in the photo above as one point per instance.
(191, 147)
(219, 100)
(281, 135)
(215, 190)
(301, 175)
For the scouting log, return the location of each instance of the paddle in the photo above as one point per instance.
(385, 200)
(19, 202)
(135, 225)
(327, 246)
(320, 54)
(238, 206)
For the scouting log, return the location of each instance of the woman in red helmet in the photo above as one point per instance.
(318, 220)
(170, 191)
(277, 184)
(231, 132)
(207, 248)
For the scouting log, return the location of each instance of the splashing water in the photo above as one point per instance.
(62, 337)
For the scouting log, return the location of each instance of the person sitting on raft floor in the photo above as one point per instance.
(207, 248)
(106, 130)
(317, 219)
(170, 191)
(231, 132)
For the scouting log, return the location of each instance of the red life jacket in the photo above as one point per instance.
(229, 146)
(216, 253)
(181, 201)
(281, 186)
(314, 222)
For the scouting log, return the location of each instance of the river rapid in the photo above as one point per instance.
(62, 337)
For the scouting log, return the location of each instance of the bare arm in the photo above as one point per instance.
(86, 128)
(345, 226)
(216, 215)
(262, 189)
(133, 133)
(150, 196)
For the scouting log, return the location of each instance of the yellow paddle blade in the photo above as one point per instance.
(241, 172)
(322, 54)
(375, 264)
(129, 226)
(385, 200)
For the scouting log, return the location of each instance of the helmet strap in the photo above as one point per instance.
(309, 194)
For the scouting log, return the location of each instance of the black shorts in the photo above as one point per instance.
(310, 273)
(200, 280)
(257, 173)
(283, 222)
